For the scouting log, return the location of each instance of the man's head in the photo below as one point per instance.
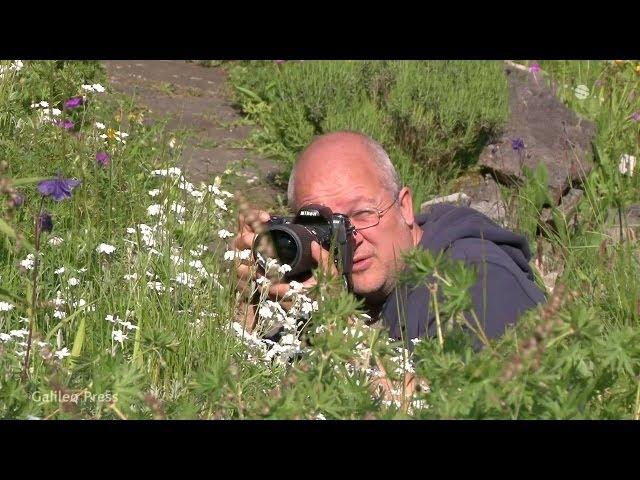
(349, 172)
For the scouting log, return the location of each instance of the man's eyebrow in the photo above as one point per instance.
(362, 199)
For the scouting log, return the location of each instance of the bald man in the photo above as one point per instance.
(351, 174)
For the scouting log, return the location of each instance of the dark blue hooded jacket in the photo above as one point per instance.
(505, 285)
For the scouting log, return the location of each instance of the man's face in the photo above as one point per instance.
(346, 181)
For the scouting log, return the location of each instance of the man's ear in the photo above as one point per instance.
(406, 206)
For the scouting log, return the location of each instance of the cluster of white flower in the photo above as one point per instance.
(95, 88)
(105, 248)
(28, 262)
(627, 164)
(14, 66)
(116, 135)
(45, 113)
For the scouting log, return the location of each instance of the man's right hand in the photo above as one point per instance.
(250, 221)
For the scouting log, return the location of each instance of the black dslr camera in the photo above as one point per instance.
(289, 240)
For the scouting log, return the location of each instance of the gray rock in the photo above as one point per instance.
(568, 207)
(630, 223)
(551, 134)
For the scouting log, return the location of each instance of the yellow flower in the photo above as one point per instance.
(619, 62)
(638, 69)
(111, 133)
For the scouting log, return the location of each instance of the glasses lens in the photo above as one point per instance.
(364, 218)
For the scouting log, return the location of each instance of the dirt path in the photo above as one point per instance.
(197, 102)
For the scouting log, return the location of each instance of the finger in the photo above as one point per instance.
(321, 256)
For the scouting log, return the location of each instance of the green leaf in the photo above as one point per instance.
(11, 233)
(26, 181)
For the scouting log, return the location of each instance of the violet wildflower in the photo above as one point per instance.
(45, 222)
(103, 158)
(635, 116)
(517, 144)
(66, 124)
(58, 188)
(73, 102)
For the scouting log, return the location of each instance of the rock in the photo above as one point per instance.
(456, 198)
(483, 196)
(630, 223)
(568, 207)
(540, 130)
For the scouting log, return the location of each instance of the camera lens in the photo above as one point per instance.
(285, 246)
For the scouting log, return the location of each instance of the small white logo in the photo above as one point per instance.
(309, 213)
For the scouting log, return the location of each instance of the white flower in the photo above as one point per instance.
(224, 233)
(131, 230)
(100, 126)
(98, 88)
(196, 264)
(19, 333)
(56, 111)
(112, 319)
(213, 189)
(28, 262)
(58, 301)
(171, 172)
(73, 281)
(227, 194)
(55, 241)
(118, 336)
(172, 143)
(6, 307)
(59, 314)
(154, 209)
(229, 255)
(158, 286)
(133, 276)
(177, 208)
(220, 203)
(122, 134)
(154, 192)
(103, 136)
(80, 303)
(82, 270)
(198, 194)
(627, 164)
(128, 325)
(263, 280)
(265, 312)
(88, 88)
(105, 248)
(185, 279)
(244, 254)
(5, 337)
(44, 104)
(42, 344)
(62, 353)
(284, 269)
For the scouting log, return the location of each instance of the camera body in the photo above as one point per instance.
(288, 240)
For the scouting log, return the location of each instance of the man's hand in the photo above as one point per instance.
(252, 222)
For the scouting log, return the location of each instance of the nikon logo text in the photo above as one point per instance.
(309, 213)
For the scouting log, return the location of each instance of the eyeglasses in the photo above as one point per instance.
(368, 217)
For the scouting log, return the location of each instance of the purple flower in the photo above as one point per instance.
(73, 102)
(66, 124)
(534, 68)
(635, 116)
(103, 158)
(45, 222)
(58, 188)
(517, 144)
